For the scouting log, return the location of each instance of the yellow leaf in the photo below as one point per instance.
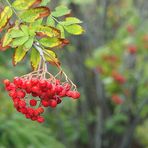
(53, 42)
(5, 16)
(25, 4)
(19, 54)
(7, 39)
(51, 57)
(47, 31)
(33, 14)
(74, 29)
(35, 58)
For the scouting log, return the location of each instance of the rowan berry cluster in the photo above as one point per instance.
(32, 95)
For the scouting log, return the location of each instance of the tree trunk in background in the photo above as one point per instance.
(92, 86)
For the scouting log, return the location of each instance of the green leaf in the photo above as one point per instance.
(50, 21)
(24, 4)
(44, 2)
(60, 11)
(71, 21)
(16, 33)
(5, 16)
(19, 41)
(61, 28)
(47, 31)
(19, 54)
(7, 39)
(35, 58)
(53, 42)
(33, 14)
(74, 29)
(36, 23)
(25, 29)
(29, 43)
(51, 56)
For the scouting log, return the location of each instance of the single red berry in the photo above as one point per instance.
(30, 111)
(28, 116)
(36, 113)
(18, 81)
(21, 94)
(45, 103)
(43, 83)
(6, 82)
(34, 118)
(22, 103)
(10, 87)
(13, 94)
(69, 93)
(52, 103)
(33, 102)
(35, 89)
(40, 119)
(23, 110)
(40, 110)
(75, 95)
(67, 86)
(34, 81)
(49, 85)
(28, 84)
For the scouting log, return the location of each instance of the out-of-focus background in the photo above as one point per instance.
(109, 63)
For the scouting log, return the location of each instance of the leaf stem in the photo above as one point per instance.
(40, 50)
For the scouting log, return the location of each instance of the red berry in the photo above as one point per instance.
(40, 110)
(6, 82)
(28, 84)
(23, 110)
(33, 102)
(40, 119)
(43, 83)
(45, 103)
(75, 95)
(13, 94)
(69, 93)
(30, 111)
(21, 94)
(22, 103)
(35, 89)
(52, 103)
(34, 81)
(34, 118)
(28, 116)
(49, 85)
